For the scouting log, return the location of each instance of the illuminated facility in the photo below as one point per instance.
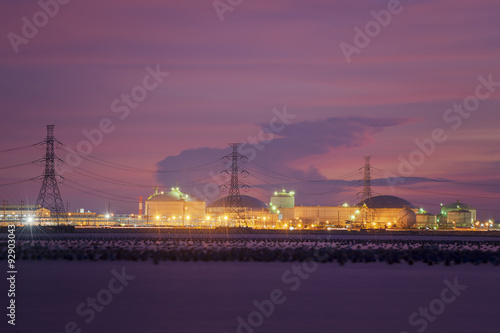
(174, 207)
(458, 215)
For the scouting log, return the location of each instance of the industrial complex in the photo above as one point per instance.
(174, 208)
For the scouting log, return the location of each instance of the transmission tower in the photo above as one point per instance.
(233, 201)
(49, 196)
(367, 180)
(367, 191)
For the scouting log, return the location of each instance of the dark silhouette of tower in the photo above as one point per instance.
(367, 194)
(49, 196)
(233, 201)
(367, 179)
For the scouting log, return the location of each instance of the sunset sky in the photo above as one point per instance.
(225, 79)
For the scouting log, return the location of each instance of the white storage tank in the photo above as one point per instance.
(426, 220)
(406, 218)
(460, 218)
(283, 199)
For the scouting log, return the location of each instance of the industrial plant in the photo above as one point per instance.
(173, 208)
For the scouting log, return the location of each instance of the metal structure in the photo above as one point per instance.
(367, 193)
(367, 179)
(49, 196)
(233, 201)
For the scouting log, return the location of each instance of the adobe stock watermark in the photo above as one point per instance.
(251, 148)
(373, 28)
(420, 319)
(292, 279)
(454, 117)
(223, 6)
(30, 28)
(122, 106)
(89, 308)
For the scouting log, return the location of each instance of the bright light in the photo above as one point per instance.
(157, 217)
(188, 217)
(30, 220)
(107, 216)
(292, 193)
(345, 205)
(225, 217)
(352, 217)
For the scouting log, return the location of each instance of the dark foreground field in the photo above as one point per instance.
(152, 283)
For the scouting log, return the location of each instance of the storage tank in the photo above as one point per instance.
(460, 218)
(174, 205)
(282, 199)
(426, 220)
(406, 218)
(457, 206)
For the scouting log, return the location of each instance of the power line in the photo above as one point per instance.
(96, 195)
(109, 164)
(303, 179)
(451, 194)
(18, 182)
(17, 148)
(110, 180)
(104, 192)
(15, 166)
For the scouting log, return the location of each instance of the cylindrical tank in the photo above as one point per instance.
(283, 199)
(460, 218)
(426, 220)
(406, 218)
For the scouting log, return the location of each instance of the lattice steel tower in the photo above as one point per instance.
(49, 196)
(233, 201)
(367, 180)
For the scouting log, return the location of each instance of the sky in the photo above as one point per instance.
(309, 88)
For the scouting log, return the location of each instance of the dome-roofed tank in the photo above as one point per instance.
(386, 201)
(458, 206)
(247, 201)
(174, 195)
(283, 199)
(460, 218)
(406, 218)
(174, 204)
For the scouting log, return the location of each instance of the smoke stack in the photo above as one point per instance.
(140, 205)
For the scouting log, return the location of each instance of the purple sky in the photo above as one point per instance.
(225, 79)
